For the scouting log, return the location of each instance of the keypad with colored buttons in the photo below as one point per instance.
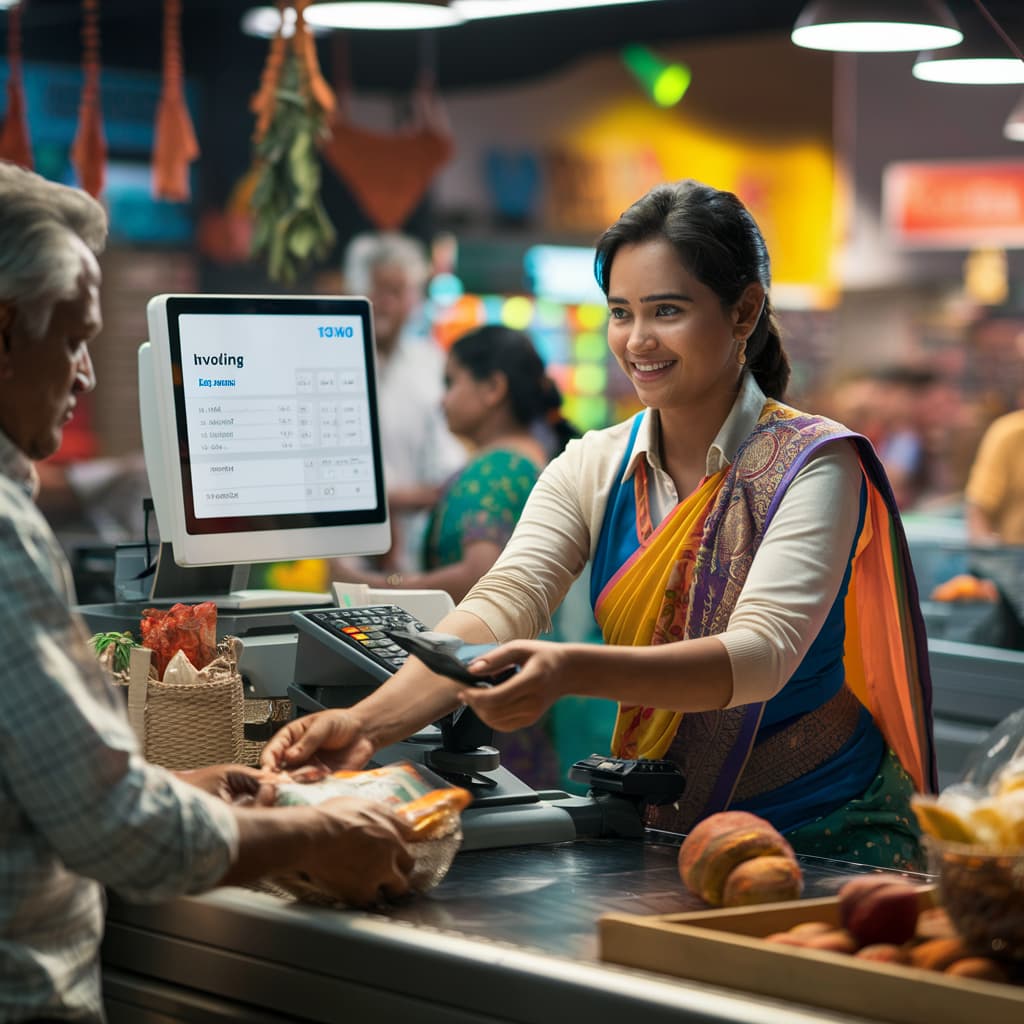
(365, 629)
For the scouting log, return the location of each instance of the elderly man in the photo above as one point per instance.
(419, 451)
(79, 806)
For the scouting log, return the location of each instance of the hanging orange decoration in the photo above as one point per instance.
(291, 226)
(89, 150)
(15, 144)
(387, 173)
(390, 172)
(174, 142)
(264, 103)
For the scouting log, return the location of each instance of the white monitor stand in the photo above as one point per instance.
(225, 585)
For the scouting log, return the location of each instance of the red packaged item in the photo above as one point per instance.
(191, 629)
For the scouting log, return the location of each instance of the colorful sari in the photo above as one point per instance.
(483, 501)
(863, 685)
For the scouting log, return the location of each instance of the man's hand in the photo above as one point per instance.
(234, 783)
(332, 739)
(361, 853)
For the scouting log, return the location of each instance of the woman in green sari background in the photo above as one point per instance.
(748, 567)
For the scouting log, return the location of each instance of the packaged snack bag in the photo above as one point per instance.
(191, 629)
(433, 812)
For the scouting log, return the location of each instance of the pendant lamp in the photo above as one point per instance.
(265, 21)
(472, 9)
(876, 26)
(981, 59)
(383, 14)
(1014, 127)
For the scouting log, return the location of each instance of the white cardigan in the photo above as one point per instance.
(793, 580)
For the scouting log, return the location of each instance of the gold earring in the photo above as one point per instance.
(741, 354)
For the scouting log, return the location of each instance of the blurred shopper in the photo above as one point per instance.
(748, 569)
(995, 487)
(80, 808)
(419, 452)
(888, 405)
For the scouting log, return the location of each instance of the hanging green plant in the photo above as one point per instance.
(291, 226)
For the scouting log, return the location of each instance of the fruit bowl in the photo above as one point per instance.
(983, 893)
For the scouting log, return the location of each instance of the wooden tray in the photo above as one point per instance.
(724, 947)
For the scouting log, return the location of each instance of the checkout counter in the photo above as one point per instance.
(510, 935)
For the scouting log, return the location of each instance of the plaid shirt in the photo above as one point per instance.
(79, 807)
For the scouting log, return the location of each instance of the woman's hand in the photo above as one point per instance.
(545, 673)
(234, 783)
(332, 740)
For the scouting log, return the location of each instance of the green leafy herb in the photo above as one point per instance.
(292, 227)
(115, 646)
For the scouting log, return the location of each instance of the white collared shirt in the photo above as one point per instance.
(742, 419)
(416, 445)
(793, 580)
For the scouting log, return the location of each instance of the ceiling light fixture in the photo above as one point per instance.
(475, 9)
(970, 63)
(1014, 127)
(264, 21)
(876, 26)
(987, 56)
(383, 14)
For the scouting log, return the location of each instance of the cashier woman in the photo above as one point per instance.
(749, 570)
(79, 807)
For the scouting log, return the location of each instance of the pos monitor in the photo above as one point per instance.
(259, 427)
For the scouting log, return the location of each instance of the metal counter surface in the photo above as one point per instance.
(509, 935)
(549, 898)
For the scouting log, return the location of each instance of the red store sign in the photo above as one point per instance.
(955, 204)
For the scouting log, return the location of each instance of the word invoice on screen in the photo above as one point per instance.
(277, 411)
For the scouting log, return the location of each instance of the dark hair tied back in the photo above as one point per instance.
(533, 395)
(718, 241)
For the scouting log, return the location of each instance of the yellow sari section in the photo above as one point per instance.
(646, 603)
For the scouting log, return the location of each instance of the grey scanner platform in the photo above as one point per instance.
(505, 811)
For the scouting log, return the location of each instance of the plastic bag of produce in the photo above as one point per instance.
(432, 810)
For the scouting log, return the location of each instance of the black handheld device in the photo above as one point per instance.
(650, 781)
(439, 654)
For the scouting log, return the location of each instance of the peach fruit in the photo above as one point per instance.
(765, 879)
(719, 843)
(885, 953)
(879, 908)
(938, 954)
(983, 968)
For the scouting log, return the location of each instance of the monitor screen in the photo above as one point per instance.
(260, 430)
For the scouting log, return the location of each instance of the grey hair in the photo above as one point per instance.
(368, 251)
(38, 266)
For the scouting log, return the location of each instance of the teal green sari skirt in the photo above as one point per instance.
(876, 828)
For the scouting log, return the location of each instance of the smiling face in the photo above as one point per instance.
(668, 331)
(42, 377)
